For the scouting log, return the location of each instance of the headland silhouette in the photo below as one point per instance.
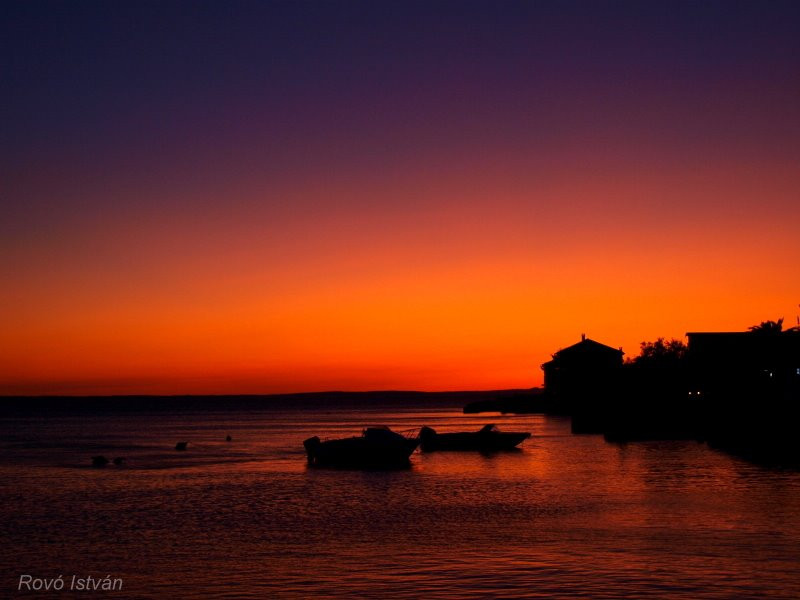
(738, 390)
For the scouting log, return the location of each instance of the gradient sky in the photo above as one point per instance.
(256, 197)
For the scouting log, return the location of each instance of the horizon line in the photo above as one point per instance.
(329, 392)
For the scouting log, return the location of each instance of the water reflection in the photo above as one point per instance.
(565, 516)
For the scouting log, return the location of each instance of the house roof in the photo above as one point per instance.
(744, 343)
(586, 347)
(745, 334)
(720, 333)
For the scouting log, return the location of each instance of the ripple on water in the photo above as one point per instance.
(568, 516)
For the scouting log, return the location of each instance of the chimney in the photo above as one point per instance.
(583, 337)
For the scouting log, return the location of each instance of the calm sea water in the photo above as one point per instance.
(567, 516)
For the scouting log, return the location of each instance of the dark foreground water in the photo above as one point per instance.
(567, 516)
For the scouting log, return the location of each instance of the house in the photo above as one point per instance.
(582, 373)
(747, 385)
(738, 365)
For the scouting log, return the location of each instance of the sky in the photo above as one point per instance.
(268, 197)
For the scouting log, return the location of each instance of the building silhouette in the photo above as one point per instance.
(729, 366)
(581, 379)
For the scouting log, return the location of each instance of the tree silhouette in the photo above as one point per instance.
(768, 326)
(660, 353)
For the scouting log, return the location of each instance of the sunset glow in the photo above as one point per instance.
(386, 201)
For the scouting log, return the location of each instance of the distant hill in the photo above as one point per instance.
(52, 405)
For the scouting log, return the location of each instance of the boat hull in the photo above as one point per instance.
(367, 451)
(482, 441)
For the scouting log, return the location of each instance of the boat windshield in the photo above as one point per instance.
(380, 432)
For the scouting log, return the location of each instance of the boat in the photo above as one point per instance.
(487, 439)
(99, 461)
(376, 447)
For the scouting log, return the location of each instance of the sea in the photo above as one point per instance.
(565, 516)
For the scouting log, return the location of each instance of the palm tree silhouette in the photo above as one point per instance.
(768, 326)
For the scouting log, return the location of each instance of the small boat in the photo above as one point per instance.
(487, 439)
(376, 447)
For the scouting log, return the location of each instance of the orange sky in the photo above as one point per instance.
(451, 295)
(387, 202)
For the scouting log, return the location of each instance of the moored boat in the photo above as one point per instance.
(487, 439)
(376, 447)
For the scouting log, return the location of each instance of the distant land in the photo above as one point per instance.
(53, 405)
